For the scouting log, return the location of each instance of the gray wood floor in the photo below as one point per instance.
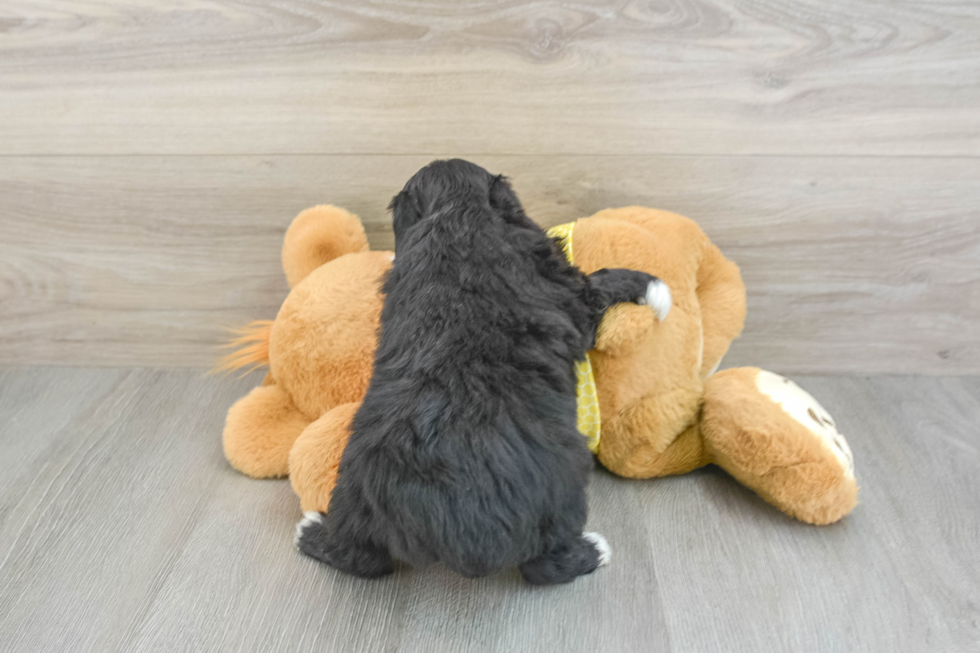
(123, 529)
(152, 154)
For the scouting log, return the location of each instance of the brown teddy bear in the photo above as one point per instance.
(649, 397)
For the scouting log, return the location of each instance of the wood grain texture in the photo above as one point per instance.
(852, 264)
(152, 153)
(123, 529)
(585, 77)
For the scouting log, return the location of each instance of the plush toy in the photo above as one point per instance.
(661, 407)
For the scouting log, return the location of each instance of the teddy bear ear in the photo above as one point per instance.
(317, 236)
(623, 327)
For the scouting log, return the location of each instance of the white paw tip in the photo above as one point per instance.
(659, 299)
(601, 545)
(309, 518)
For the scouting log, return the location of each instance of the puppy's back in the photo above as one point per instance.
(465, 443)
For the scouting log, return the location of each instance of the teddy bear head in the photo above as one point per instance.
(649, 374)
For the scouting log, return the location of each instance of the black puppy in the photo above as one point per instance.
(465, 449)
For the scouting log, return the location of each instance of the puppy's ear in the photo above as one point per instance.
(405, 214)
(504, 200)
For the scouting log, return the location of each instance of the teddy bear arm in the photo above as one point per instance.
(260, 429)
(721, 295)
(622, 327)
(315, 457)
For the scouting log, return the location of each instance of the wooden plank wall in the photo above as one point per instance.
(152, 154)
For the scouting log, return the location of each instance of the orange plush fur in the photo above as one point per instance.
(320, 347)
(664, 411)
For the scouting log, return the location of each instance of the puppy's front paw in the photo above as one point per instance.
(658, 298)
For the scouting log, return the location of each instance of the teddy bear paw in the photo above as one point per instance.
(805, 410)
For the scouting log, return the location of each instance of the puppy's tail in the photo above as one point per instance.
(251, 343)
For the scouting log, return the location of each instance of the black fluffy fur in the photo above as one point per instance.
(465, 449)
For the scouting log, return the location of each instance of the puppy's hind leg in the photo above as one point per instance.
(335, 538)
(314, 538)
(569, 560)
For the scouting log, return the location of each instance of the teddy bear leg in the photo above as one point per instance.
(646, 460)
(655, 437)
(315, 457)
(774, 438)
(260, 430)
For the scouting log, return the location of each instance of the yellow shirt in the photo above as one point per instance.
(587, 401)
